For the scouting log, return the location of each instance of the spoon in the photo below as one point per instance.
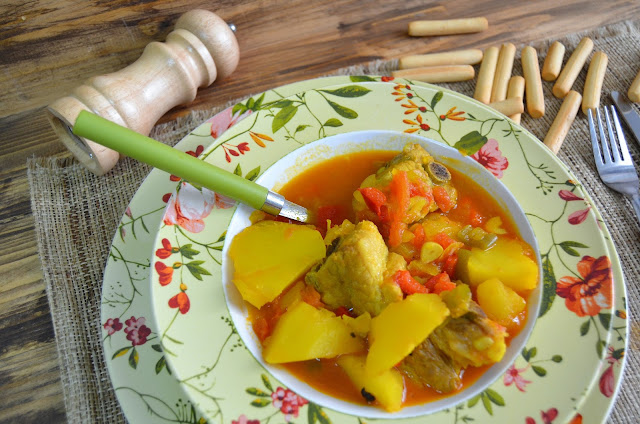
(187, 167)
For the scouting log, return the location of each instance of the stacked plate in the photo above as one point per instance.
(174, 352)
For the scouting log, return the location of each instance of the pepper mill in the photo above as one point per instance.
(200, 49)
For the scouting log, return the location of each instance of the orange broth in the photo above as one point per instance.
(332, 183)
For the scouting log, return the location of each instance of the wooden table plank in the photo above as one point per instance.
(47, 47)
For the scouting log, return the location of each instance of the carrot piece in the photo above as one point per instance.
(468, 209)
(419, 188)
(311, 296)
(442, 198)
(399, 195)
(396, 230)
(399, 202)
(261, 328)
(267, 318)
(475, 218)
(450, 265)
(273, 319)
(416, 190)
(439, 283)
(408, 284)
(443, 239)
(442, 286)
(336, 214)
(374, 199)
(418, 236)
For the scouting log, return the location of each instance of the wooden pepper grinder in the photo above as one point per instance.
(201, 48)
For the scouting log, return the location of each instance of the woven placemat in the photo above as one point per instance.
(76, 215)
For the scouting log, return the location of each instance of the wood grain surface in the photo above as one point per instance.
(47, 47)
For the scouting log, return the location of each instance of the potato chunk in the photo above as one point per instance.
(499, 302)
(359, 325)
(269, 255)
(304, 332)
(506, 261)
(387, 388)
(401, 327)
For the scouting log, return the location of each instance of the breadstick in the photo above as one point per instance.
(458, 57)
(553, 61)
(634, 90)
(515, 89)
(572, 68)
(486, 74)
(447, 26)
(435, 74)
(561, 124)
(593, 83)
(509, 107)
(533, 84)
(503, 72)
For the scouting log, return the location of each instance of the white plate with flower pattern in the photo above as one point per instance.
(174, 354)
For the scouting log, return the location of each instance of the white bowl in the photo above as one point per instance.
(299, 160)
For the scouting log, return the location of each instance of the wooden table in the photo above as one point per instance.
(47, 47)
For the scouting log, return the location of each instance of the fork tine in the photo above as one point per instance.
(615, 153)
(597, 152)
(606, 152)
(622, 141)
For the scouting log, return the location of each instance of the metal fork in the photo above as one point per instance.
(612, 157)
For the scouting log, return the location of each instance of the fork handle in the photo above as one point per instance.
(635, 201)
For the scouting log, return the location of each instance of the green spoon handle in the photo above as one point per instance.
(161, 156)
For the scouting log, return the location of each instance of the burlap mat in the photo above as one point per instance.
(76, 215)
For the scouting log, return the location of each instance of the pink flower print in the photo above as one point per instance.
(137, 332)
(225, 120)
(607, 379)
(607, 383)
(189, 206)
(491, 158)
(242, 419)
(547, 416)
(277, 397)
(112, 325)
(288, 402)
(513, 376)
(134, 323)
(578, 217)
(568, 195)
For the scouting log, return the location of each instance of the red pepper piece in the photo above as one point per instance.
(408, 284)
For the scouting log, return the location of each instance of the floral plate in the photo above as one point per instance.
(187, 363)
